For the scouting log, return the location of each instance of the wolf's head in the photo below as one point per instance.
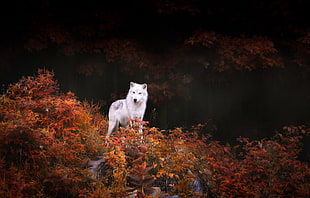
(137, 92)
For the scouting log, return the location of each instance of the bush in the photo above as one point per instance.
(47, 138)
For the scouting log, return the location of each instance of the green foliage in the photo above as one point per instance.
(47, 138)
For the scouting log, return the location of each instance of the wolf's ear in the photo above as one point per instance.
(132, 84)
(144, 86)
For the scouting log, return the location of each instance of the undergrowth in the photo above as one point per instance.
(47, 138)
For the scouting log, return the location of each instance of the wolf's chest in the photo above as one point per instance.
(135, 112)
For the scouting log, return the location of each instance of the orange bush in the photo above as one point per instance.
(48, 137)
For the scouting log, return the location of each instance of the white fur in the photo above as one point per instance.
(130, 108)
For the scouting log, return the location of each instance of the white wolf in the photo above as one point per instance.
(130, 108)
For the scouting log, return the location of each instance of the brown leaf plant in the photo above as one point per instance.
(141, 180)
(47, 138)
(154, 161)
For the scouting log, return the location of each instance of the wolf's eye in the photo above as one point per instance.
(133, 92)
(140, 93)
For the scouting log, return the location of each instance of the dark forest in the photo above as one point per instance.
(228, 86)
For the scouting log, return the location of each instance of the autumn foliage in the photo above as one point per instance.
(48, 137)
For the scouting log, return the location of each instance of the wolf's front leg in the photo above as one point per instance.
(113, 126)
(140, 126)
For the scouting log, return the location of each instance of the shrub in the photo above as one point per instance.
(48, 137)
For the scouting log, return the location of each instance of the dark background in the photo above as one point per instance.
(96, 48)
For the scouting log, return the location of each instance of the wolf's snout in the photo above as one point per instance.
(135, 100)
